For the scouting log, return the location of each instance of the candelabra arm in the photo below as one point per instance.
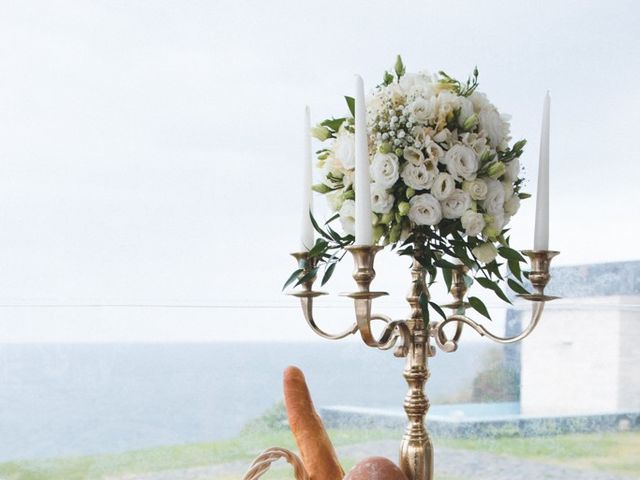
(306, 296)
(451, 344)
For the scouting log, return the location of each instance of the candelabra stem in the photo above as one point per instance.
(416, 450)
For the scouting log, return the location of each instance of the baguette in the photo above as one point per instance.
(318, 455)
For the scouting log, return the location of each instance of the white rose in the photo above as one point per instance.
(485, 252)
(461, 162)
(417, 177)
(423, 110)
(494, 126)
(417, 85)
(385, 169)
(443, 186)
(512, 205)
(425, 210)
(472, 222)
(513, 169)
(476, 188)
(493, 203)
(456, 204)
(381, 199)
(344, 149)
(413, 156)
(348, 216)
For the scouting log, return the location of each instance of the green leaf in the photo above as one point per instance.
(516, 287)
(488, 284)
(442, 263)
(333, 123)
(328, 272)
(510, 254)
(478, 306)
(319, 247)
(293, 276)
(307, 276)
(437, 308)
(317, 228)
(351, 103)
(387, 79)
(523, 195)
(424, 306)
(447, 274)
(514, 268)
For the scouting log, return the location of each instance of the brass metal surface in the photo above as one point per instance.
(411, 336)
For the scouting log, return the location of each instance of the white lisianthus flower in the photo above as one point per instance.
(472, 222)
(456, 204)
(446, 104)
(443, 186)
(508, 189)
(434, 151)
(513, 170)
(348, 178)
(348, 216)
(466, 110)
(494, 201)
(385, 169)
(344, 149)
(476, 188)
(485, 252)
(494, 125)
(461, 162)
(333, 168)
(496, 222)
(334, 200)
(396, 94)
(381, 199)
(477, 142)
(413, 156)
(419, 134)
(425, 210)
(512, 205)
(423, 110)
(479, 101)
(417, 177)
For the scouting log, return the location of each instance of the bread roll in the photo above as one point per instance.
(375, 468)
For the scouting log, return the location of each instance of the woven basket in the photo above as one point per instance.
(263, 462)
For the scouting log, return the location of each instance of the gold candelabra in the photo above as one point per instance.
(412, 338)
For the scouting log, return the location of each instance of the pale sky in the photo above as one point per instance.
(150, 151)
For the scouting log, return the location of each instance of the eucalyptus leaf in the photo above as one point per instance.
(488, 284)
(328, 272)
(351, 103)
(424, 306)
(293, 276)
(516, 287)
(479, 306)
(307, 276)
(447, 274)
(514, 268)
(510, 254)
(437, 308)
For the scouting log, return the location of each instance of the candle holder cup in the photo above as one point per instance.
(412, 338)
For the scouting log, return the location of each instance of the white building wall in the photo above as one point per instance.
(629, 388)
(571, 363)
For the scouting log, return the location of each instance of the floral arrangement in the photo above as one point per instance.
(445, 180)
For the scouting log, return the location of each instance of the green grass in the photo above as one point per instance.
(244, 447)
(610, 452)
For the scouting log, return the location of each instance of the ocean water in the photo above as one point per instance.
(78, 399)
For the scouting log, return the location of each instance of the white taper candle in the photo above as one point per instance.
(364, 229)
(541, 236)
(306, 230)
